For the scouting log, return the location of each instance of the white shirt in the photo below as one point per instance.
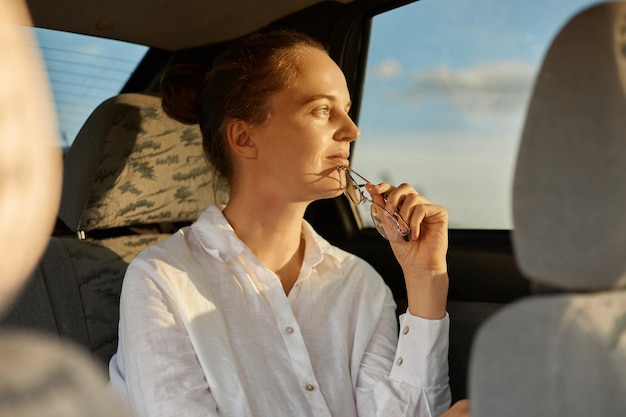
(206, 330)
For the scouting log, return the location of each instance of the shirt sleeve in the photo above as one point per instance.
(405, 375)
(156, 368)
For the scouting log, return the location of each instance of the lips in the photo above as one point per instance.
(342, 158)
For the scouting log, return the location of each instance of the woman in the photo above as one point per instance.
(248, 312)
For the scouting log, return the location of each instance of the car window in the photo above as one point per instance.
(446, 87)
(84, 71)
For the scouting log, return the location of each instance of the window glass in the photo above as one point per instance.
(446, 88)
(84, 71)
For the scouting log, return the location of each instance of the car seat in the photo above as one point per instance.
(131, 177)
(562, 350)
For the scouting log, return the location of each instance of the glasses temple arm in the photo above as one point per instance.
(351, 171)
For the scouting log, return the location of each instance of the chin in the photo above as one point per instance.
(332, 194)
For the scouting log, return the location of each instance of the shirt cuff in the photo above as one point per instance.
(422, 353)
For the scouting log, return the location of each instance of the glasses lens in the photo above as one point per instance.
(382, 217)
(352, 189)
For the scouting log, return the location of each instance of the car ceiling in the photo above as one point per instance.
(166, 24)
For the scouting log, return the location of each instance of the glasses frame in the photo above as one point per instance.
(402, 227)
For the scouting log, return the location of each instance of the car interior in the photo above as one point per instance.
(524, 293)
(561, 351)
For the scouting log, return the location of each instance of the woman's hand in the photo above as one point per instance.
(423, 255)
(428, 241)
(460, 408)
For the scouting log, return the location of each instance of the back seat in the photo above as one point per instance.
(131, 178)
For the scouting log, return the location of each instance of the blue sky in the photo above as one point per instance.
(447, 85)
(464, 44)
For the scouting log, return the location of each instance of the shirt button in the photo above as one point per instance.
(309, 387)
(399, 361)
(405, 330)
(289, 330)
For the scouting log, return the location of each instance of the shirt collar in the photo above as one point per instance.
(217, 236)
(219, 240)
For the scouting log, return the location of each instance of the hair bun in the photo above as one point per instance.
(181, 92)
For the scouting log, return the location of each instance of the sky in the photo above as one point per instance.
(446, 90)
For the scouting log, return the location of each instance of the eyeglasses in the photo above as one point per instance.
(356, 195)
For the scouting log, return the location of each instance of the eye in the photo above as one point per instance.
(323, 111)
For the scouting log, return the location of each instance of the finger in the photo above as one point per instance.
(414, 215)
(379, 192)
(425, 214)
(388, 195)
(391, 228)
(403, 194)
(390, 199)
(406, 202)
(408, 208)
(409, 205)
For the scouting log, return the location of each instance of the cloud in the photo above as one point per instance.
(388, 70)
(495, 87)
(500, 76)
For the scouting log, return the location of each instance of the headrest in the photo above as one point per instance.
(569, 197)
(131, 164)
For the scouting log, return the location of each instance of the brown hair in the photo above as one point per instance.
(238, 86)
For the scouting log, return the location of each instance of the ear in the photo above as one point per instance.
(240, 140)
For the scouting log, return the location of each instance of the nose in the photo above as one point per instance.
(348, 130)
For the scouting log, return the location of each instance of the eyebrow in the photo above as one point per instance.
(321, 97)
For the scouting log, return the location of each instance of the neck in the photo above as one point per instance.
(272, 231)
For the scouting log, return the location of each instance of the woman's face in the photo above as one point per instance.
(308, 133)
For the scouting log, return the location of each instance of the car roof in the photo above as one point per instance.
(165, 24)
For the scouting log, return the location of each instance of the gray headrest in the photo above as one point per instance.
(131, 164)
(569, 194)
